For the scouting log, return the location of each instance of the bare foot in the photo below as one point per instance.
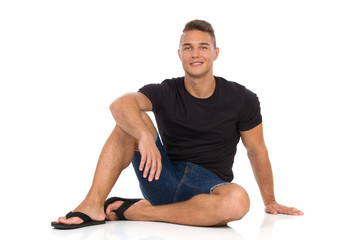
(132, 213)
(94, 212)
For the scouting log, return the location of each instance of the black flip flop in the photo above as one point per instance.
(87, 221)
(120, 211)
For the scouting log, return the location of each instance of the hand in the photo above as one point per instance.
(275, 208)
(150, 158)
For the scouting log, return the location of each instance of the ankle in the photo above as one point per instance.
(93, 201)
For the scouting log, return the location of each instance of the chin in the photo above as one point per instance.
(197, 74)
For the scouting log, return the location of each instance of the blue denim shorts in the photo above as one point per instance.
(179, 180)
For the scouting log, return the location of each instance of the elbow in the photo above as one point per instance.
(121, 105)
(116, 106)
(112, 107)
(257, 152)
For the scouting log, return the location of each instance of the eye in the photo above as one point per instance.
(204, 48)
(187, 48)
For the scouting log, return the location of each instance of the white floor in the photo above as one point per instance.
(321, 221)
(255, 225)
(261, 226)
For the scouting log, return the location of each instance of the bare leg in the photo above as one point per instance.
(115, 156)
(228, 202)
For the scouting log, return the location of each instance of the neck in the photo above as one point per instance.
(200, 87)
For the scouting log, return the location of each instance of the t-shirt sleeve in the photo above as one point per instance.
(250, 113)
(156, 93)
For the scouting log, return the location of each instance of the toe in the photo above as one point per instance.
(60, 219)
(70, 221)
(113, 206)
(110, 215)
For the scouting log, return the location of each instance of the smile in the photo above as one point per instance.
(196, 63)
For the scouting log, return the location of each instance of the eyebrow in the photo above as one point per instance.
(202, 43)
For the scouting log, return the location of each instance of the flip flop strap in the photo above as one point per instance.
(81, 215)
(120, 211)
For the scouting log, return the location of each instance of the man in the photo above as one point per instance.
(188, 179)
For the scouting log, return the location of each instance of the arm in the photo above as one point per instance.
(254, 143)
(126, 111)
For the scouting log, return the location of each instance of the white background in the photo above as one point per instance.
(62, 63)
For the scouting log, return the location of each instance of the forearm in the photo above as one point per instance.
(127, 115)
(261, 166)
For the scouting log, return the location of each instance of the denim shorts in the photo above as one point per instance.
(179, 180)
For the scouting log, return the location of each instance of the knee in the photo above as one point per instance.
(235, 204)
(121, 134)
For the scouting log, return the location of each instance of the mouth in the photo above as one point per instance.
(196, 63)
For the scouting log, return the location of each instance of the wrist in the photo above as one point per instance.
(269, 201)
(145, 135)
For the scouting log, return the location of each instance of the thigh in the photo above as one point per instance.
(196, 180)
(162, 191)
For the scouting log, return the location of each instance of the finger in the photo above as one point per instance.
(159, 167)
(283, 210)
(274, 212)
(147, 167)
(142, 162)
(152, 171)
(295, 211)
(290, 211)
(300, 213)
(158, 171)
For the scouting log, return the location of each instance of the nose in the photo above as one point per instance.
(195, 53)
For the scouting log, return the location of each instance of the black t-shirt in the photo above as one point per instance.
(203, 131)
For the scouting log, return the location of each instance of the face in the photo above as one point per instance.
(197, 54)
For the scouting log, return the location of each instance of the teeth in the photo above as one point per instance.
(196, 63)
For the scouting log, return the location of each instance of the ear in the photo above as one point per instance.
(217, 51)
(179, 54)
